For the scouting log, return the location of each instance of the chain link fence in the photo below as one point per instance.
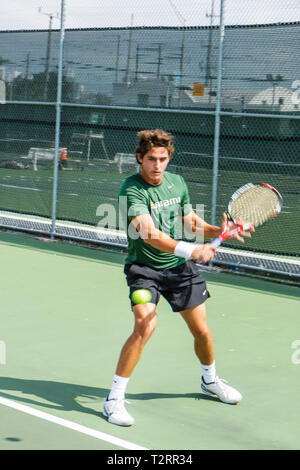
(75, 91)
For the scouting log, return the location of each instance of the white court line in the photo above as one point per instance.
(36, 189)
(71, 425)
(19, 187)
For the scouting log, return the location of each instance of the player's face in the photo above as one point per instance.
(153, 164)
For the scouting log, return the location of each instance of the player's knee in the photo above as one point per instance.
(202, 334)
(145, 328)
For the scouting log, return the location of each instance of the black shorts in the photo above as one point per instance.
(183, 286)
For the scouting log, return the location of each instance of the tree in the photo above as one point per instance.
(32, 89)
(4, 61)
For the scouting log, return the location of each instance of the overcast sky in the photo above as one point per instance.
(24, 14)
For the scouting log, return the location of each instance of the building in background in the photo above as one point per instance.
(144, 93)
(2, 92)
(275, 98)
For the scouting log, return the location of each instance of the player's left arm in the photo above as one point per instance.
(196, 225)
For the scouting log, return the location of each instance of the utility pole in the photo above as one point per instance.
(27, 75)
(208, 77)
(117, 61)
(48, 53)
(159, 62)
(137, 62)
(183, 23)
(127, 76)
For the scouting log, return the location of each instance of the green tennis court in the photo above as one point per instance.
(82, 192)
(65, 316)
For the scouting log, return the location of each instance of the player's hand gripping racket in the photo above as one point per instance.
(250, 205)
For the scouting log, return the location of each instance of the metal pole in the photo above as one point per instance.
(137, 61)
(158, 62)
(58, 116)
(217, 116)
(117, 61)
(48, 53)
(48, 57)
(181, 67)
(127, 76)
(209, 46)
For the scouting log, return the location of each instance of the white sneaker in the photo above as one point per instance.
(219, 389)
(116, 412)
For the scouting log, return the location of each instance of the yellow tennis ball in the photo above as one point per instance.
(141, 296)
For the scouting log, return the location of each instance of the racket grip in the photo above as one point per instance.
(216, 242)
(246, 226)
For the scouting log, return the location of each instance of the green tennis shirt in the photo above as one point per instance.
(166, 203)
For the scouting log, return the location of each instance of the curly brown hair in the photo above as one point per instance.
(154, 138)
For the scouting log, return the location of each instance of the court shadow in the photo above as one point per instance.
(72, 397)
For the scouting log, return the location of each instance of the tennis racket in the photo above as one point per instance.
(254, 204)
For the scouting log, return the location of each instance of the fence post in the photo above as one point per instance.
(217, 116)
(58, 116)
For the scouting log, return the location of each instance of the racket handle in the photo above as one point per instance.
(216, 242)
(228, 234)
(247, 226)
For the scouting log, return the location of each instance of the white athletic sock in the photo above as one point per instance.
(118, 387)
(209, 372)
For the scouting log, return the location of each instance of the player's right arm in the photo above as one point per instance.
(161, 241)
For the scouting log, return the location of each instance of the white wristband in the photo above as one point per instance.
(184, 249)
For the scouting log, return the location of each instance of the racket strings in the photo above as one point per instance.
(255, 205)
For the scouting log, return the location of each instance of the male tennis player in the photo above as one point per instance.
(159, 261)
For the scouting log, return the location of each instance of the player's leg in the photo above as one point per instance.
(145, 322)
(196, 321)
